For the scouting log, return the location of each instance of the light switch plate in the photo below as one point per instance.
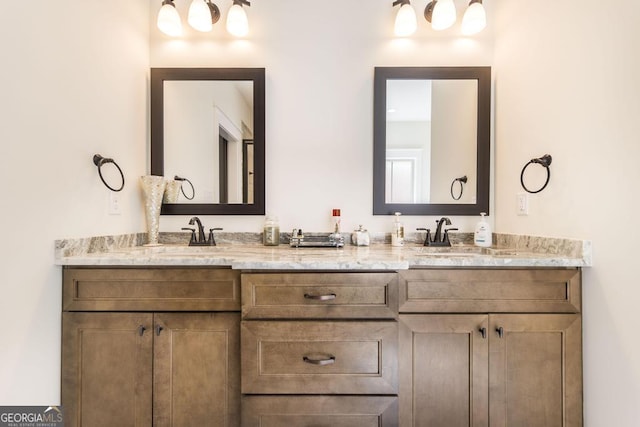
(522, 207)
(115, 207)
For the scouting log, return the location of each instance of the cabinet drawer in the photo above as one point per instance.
(146, 289)
(319, 296)
(319, 357)
(489, 290)
(319, 411)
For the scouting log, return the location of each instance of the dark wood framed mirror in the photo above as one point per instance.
(432, 128)
(208, 125)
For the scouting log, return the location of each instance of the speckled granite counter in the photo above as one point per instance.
(246, 254)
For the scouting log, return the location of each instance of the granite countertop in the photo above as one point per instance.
(247, 254)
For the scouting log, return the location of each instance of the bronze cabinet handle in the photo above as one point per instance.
(500, 331)
(483, 332)
(327, 297)
(141, 330)
(159, 329)
(320, 362)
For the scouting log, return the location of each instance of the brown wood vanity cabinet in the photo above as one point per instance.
(151, 346)
(319, 349)
(490, 347)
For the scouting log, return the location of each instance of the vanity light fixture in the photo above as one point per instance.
(441, 14)
(237, 22)
(474, 19)
(406, 22)
(169, 19)
(203, 14)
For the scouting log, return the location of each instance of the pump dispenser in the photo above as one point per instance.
(482, 237)
(397, 232)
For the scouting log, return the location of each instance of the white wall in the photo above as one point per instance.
(568, 84)
(319, 60)
(74, 77)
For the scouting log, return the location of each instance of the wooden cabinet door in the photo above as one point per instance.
(107, 369)
(319, 411)
(535, 370)
(196, 369)
(443, 370)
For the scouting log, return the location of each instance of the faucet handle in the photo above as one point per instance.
(446, 234)
(193, 234)
(427, 238)
(212, 241)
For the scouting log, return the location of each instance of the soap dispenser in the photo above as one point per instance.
(482, 236)
(397, 232)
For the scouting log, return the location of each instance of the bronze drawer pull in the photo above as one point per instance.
(483, 332)
(141, 330)
(500, 331)
(320, 362)
(159, 329)
(327, 297)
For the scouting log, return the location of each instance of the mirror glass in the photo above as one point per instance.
(208, 128)
(431, 140)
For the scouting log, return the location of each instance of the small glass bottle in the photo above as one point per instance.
(271, 231)
(397, 233)
(335, 215)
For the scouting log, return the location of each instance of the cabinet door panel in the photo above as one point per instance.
(106, 369)
(443, 370)
(319, 411)
(490, 291)
(196, 371)
(536, 370)
(150, 289)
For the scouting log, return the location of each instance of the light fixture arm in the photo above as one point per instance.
(215, 12)
(242, 2)
(428, 11)
(400, 2)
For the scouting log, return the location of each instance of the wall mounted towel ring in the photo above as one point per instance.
(98, 160)
(545, 161)
(193, 190)
(462, 180)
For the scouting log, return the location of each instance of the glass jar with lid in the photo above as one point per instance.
(271, 231)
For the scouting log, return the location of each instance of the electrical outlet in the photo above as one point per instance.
(115, 208)
(522, 207)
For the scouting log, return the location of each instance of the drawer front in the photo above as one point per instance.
(319, 357)
(320, 296)
(146, 289)
(319, 411)
(488, 290)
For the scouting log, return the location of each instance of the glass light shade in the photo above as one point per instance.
(474, 19)
(169, 21)
(406, 23)
(444, 15)
(237, 23)
(200, 16)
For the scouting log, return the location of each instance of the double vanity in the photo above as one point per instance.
(242, 334)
